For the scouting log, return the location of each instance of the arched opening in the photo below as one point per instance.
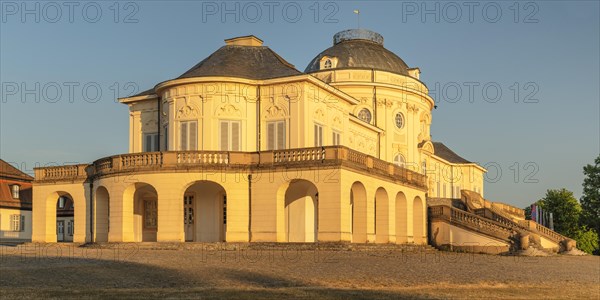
(205, 212)
(358, 212)
(102, 211)
(144, 200)
(382, 219)
(301, 212)
(65, 212)
(401, 217)
(418, 221)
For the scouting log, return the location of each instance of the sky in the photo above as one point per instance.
(516, 83)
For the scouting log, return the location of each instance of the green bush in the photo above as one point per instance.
(587, 240)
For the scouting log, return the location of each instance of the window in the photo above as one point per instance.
(166, 135)
(62, 202)
(230, 135)
(336, 138)
(70, 227)
(399, 120)
(60, 228)
(17, 222)
(276, 135)
(318, 135)
(438, 189)
(150, 142)
(189, 135)
(327, 64)
(365, 115)
(188, 210)
(399, 160)
(15, 188)
(444, 190)
(224, 209)
(150, 214)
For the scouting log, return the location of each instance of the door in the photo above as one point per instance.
(188, 217)
(60, 231)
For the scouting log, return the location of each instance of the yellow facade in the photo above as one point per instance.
(338, 154)
(8, 230)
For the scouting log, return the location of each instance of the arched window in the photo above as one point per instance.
(365, 115)
(327, 64)
(399, 160)
(399, 120)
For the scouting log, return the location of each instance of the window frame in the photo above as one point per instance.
(17, 223)
(154, 143)
(230, 138)
(276, 134)
(336, 138)
(318, 130)
(401, 115)
(70, 227)
(150, 214)
(189, 137)
(15, 190)
(396, 160)
(62, 202)
(368, 113)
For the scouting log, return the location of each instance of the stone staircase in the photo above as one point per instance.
(523, 237)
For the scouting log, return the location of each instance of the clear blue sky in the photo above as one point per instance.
(549, 49)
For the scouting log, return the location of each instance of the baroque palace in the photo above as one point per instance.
(243, 147)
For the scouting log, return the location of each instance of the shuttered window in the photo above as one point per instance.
(336, 138)
(276, 135)
(230, 135)
(318, 135)
(188, 135)
(150, 142)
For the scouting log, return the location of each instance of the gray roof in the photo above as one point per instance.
(250, 62)
(144, 93)
(444, 152)
(360, 52)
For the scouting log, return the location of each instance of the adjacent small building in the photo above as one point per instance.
(15, 204)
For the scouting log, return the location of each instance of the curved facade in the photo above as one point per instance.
(244, 147)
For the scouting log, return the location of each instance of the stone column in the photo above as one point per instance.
(170, 216)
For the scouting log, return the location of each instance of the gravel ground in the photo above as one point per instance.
(38, 271)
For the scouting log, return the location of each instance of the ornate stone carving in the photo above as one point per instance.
(228, 110)
(337, 121)
(186, 109)
(275, 111)
(319, 114)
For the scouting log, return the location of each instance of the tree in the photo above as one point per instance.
(565, 211)
(590, 201)
(527, 212)
(587, 240)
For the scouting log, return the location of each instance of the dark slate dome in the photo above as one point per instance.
(360, 49)
(243, 57)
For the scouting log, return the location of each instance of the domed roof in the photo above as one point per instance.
(360, 49)
(243, 57)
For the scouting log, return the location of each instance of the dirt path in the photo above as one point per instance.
(52, 272)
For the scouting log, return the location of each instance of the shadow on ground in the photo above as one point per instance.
(23, 277)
